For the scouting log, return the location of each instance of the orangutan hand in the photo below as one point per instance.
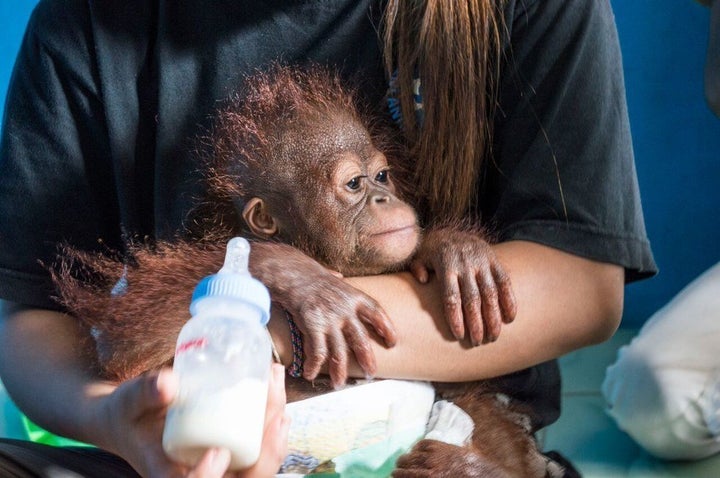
(477, 294)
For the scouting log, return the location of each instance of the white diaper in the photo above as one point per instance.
(366, 426)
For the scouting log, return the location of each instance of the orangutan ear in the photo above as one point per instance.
(258, 219)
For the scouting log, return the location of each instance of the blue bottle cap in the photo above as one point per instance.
(233, 281)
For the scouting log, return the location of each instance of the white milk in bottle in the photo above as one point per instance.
(222, 359)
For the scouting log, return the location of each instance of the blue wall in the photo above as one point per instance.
(13, 16)
(677, 139)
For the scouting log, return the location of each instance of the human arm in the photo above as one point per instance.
(41, 356)
(582, 298)
(564, 302)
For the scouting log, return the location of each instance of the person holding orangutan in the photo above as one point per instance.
(317, 193)
(514, 117)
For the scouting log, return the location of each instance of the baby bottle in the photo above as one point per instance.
(222, 359)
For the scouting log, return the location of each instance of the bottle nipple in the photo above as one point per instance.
(234, 282)
(236, 257)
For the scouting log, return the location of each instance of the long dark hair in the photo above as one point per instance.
(454, 47)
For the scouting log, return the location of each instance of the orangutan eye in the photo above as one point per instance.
(382, 176)
(354, 183)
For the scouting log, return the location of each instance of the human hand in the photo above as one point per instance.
(134, 417)
(333, 317)
(476, 290)
(275, 435)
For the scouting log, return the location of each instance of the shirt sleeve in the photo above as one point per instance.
(52, 142)
(563, 171)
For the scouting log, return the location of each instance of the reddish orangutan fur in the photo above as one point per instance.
(135, 330)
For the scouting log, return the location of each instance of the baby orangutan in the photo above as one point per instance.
(294, 166)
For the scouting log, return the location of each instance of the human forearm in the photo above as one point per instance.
(42, 365)
(564, 303)
(41, 356)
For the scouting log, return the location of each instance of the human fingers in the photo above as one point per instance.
(272, 451)
(213, 464)
(277, 425)
(136, 414)
(277, 397)
(150, 392)
(216, 461)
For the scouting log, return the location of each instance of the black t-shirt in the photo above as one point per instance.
(106, 99)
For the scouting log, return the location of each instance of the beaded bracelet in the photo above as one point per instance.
(296, 367)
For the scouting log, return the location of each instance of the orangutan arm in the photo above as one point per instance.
(564, 302)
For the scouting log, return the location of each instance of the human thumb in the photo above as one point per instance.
(150, 392)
